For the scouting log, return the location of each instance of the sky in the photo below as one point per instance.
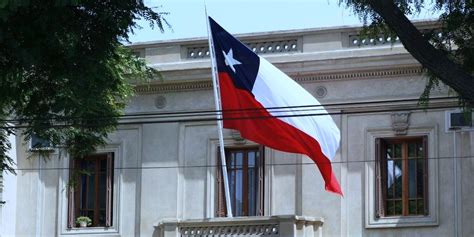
(187, 17)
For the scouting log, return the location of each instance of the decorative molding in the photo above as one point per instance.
(160, 102)
(259, 47)
(320, 92)
(365, 41)
(372, 74)
(238, 139)
(400, 122)
(164, 87)
(173, 87)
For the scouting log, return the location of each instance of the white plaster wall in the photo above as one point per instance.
(467, 186)
(159, 189)
(28, 183)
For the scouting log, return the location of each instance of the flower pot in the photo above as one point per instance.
(83, 224)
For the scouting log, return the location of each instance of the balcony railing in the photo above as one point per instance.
(268, 226)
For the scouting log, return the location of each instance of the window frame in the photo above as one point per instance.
(221, 210)
(381, 174)
(432, 219)
(72, 197)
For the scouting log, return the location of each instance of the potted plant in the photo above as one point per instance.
(83, 221)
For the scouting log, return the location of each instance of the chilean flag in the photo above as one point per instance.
(267, 106)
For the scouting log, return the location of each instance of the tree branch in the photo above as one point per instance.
(433, 59)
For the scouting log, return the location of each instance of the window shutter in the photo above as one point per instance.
(70, 198)
(261, 181)
(381, 177)
(109, 190)
(425, 175)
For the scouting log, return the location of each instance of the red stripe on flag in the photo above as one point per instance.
(263, 128)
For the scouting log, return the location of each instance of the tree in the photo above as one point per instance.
(64, 72)
(448, 52)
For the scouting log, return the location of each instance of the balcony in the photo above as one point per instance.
(269, 226)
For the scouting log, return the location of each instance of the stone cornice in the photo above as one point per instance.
(174, 86)
(164, 87)
(366, 74)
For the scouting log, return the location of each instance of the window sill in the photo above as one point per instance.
(109, 231)
(402, 221)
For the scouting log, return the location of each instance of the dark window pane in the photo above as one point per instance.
(390, 151)
(231, 179)
(398, 181)
(232, 160)
(103, 165)
(421, 206)
(102, 190)
(398, 151)
(412, 185)
(239, 159)
(390, 208)
(83, 192)
(90, 166)
(251, 159)
(239, 193)
(420, 151)
(101, 218)
(90, 192)
(252, 192)
(412, 207)
(411, 149)
(390, 192)
(398, 207)
(420, 177)
(90, 214)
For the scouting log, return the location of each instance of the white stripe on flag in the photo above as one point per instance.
(274, 88)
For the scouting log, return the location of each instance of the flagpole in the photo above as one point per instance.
(217, 101)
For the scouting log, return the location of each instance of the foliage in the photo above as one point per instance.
(64, 73)
(455, 37)
(86, 219)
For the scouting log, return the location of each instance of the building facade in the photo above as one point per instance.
(404, 170)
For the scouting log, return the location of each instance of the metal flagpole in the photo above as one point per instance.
(217, 100)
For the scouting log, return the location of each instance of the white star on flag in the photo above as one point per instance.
(230, 60)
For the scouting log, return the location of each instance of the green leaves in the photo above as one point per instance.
(63, 71)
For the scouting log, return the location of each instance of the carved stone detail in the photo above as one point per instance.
(160, 102)
(238, 139)
(400, 122)
(321, 92)
(231, 230)
(259, 47)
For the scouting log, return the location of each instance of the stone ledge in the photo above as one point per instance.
(284, 225)
(254, 220)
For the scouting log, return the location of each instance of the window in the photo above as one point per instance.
(246, 180)
(39, 144)
(91, 191)
(401, 177)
